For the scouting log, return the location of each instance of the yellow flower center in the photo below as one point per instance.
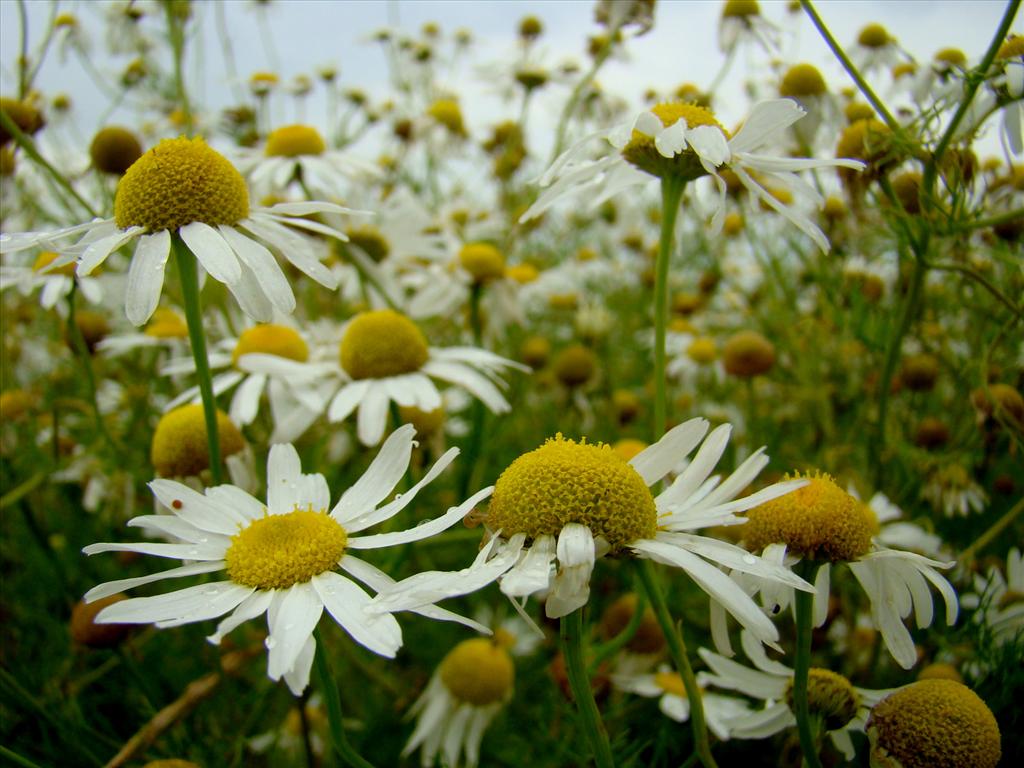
(15, 403)
(114, 150)
(177, 182)
(295, 140)
(874, 36)
(801, 81)
(575, 365)
(370, 241)
(167, 324)
(535, 351)
(1012, 48)
(566, 482)
(617, 616)
(478, 671)
(819, 521)
(747, 354)
(733, 224)
(903, 69)
(670, 682)
(23, 114)
(426, 422)
(952, 56)
(382, 343)
(641, 151)
(830, 696)
(483, 261)
(279, 551)
(740, 9)
(448, 113)
(629, 447)
(934, 723)
(46, 258)
(271, 339)
(522, 273)
(940, 672)
(179, 445)
(702, 350)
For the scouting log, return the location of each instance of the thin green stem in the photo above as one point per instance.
(889, 366)
(329, 689)
(307, 743)
(620, 641)
(17, 759)
(194, 317)
(1016, 214)
(974, 81)
(671, 194)
(571, 634)
(997, 527)
(677, 651)
(802, 667)
(20, 491)
(981, 280)
(23, 50)
(77, 342)
(176, 33)
(852, 70)
(29, 148)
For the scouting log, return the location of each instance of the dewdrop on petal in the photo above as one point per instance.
(933, 724)
(179, 447)
(830, 696)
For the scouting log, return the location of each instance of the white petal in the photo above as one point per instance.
(284, 478)
(212, 251)
(199, 510)
(203, 601)
(765, 121)
(347, 399)
(254, 605)
(297, 678)
(121, 585)
(264, 266)
(293, 624)
(347, 603)
(146, 276)
(178, 551)
(570, 588)
(379, 480)
(423, 530)
(533, 571)
(656, 461)
(99, 250)
(372, 419)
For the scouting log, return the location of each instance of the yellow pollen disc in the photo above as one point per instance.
(46, 258)
(177, 182)
(934, 724)
(903, 69)
(295, 140)
(483, 261)
(370, 241)
(426, 422)
(748, 353)
(382, 343)
(740, 9)
(279, 551)
(733, 224)
(702, 350)
(940, 672)
(802, 80)
(535, 351)
(1012, 48)
(271, 339)
(952, 56)
(167, 324)
(874, 36)
(641, 151)
(819, 521)
(617, 616)
(114, 150)
(23, 114)
(629, 447)
(566, 482)
(523, 273)
(448, 113)
(15, 403)
(830, 696)
(478, 671)
(575, 365)
(179, 445)
(670, 682)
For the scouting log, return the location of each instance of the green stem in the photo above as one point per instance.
(176, 32)
(677, 651)
(992, 221)
(974, 81)
(671, 194)
(997, 527)
(852, 70)
(194, 317)
(17, 759)
(29, 148)
(329, 689)
(85, 358)
(17, 493)
(620, 641)
(571, 634)
(892, 353)
(802, 667)
(983, 281)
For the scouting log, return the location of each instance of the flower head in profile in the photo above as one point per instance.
(682, 142)
(557, 509)
(281, 558)
(183, 189)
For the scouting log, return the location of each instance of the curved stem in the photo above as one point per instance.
(571, 634)
(677, 650)
(981, 280)
(620, 641)
(329, 689)
(671, 193)
(994, 530)
(194, 317)
(802, 666)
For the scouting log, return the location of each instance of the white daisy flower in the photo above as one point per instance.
(298, 153)
(233, 355)
(999, 598)
(742, 21)
(667, 687)
(184, 189)
(383, 357)
(470, 687)
(842, 707)
(52, 282)
(576, 502)
(875, 49)
(281, 557)
(685, 142)
(825, 525)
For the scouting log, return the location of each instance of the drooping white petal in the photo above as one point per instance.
(533, 571)
(570, 589)
(423, 530)
(121, 585)
(254, 605)
(292, 624)
(212, 251)
(98, 251)
(372, 419)
(264, 266)
(346, 603)
(656, 461)
(297, 678)
(146, 276)
(203, 601)
(766, 120)
(379, 480)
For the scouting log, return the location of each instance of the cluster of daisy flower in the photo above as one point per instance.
(604, 398)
